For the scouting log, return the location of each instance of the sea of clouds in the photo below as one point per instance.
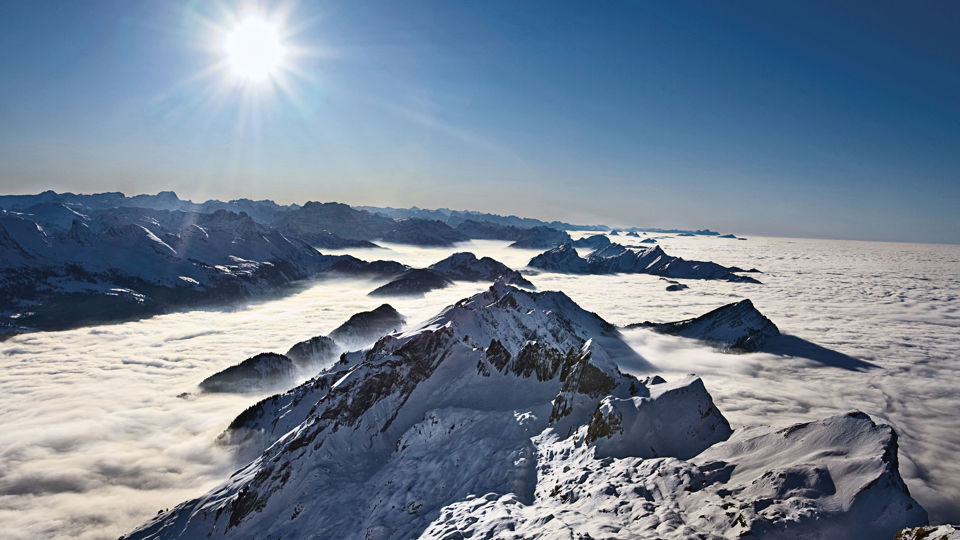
(103, 426)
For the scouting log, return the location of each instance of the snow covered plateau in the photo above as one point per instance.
(105, 425)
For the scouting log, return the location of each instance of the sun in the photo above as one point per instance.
(254, 50)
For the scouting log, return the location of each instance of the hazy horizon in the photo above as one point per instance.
(586, 221)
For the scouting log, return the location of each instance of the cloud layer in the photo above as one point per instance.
(103, 426)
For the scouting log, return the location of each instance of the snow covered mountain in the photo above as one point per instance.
(127, 262)
(367, 326)
(508, 416)
(615, 258)
(272, 371)
(593, 242)
(461, 266)
(737, 327)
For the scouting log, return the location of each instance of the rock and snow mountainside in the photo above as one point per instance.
(314, 351)
(272, 371)
(616, 258)
(263, 371)
(540, 238)
(462, 266)
(423, 232)
(466, 266)
(367, 326)
(414, 282)
(594, 242)
(939, 532)
(737, 327)
(506, 416)
(125, 262)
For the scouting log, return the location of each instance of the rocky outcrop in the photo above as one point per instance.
(415, 282)
(467, 267)
(931, 532)
(594, 242)
(261, 372)
(367, 326)
(540, 238)
(563, 259)
(315, 351)
(616, 258)
(737, 327)
(462, 266)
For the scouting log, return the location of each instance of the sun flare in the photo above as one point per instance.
(254, 49)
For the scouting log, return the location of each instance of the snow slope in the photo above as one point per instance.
(737, 327)
(615, 258)
(507, 415)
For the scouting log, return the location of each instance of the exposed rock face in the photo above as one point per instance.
(675, 285)
(323, 239)
(635, 426)
(314, 351)
(759, 484)
(349, 265)
(367, 326)
(616, 258)
(336, 218)
(517, 395)
(417, 281)
(466, 267)
(736, 327)
(563, 258)
(632, 234)
(541, 237)
(594, 242)
(423, 232)
(263, 371)
(932, 532)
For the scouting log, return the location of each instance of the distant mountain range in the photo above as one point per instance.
(69, 259)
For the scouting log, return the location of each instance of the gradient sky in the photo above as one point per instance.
(823, 119)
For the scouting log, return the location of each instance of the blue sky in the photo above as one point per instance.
(824, 119)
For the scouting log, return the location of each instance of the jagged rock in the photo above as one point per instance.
(563, 258)
(632, 234)
(265, 370)
(541, 237)
(668, 422)
(674, 286)
(335, 218)
(736, 327)
(466, 267)
(596, 241)
(931, 532)
(417, 281)
(313, 351)
(351, 266)
(367, 326)
(616, 258)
